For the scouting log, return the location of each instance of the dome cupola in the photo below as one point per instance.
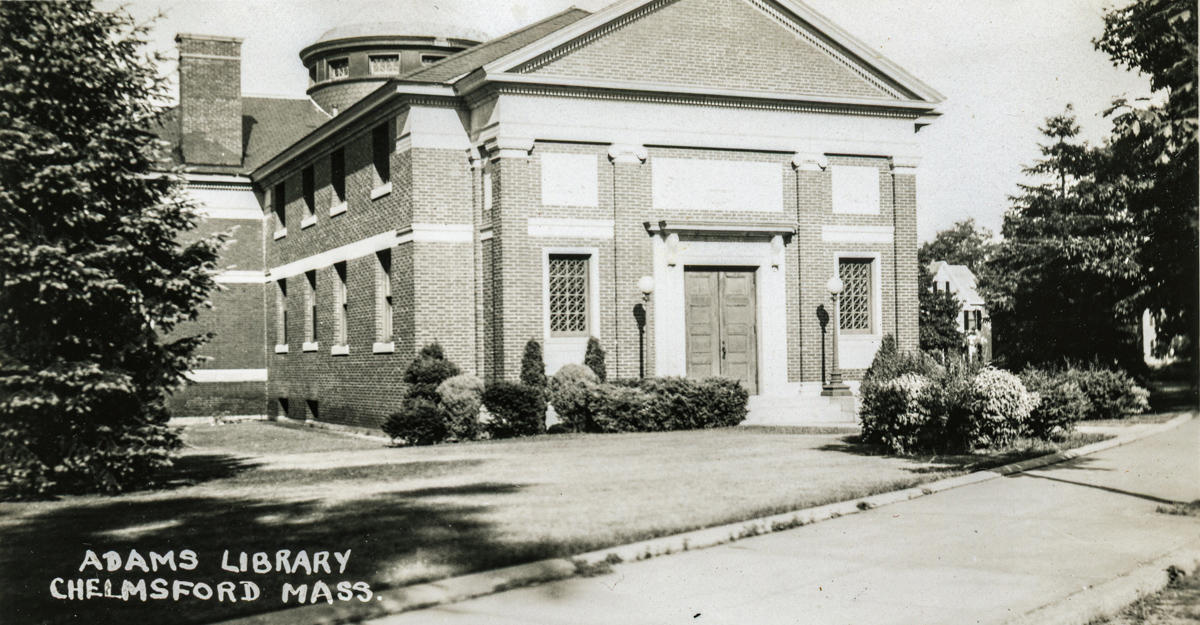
(348, 62)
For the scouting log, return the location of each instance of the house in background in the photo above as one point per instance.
(974, 321)
(737, 152)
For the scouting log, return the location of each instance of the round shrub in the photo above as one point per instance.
(999, 408)
(568, 392)
(461, 396)
(1111, 394)
(418, 422)
(516, 409)
(430, 367)
(1062, 405)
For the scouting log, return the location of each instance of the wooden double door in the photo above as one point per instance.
(722, 337)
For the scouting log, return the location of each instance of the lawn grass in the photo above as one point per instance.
(412, 515)
(1149, 418)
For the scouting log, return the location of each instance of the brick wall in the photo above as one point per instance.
(482, 300)
(815, 210)
(782, 62)
(210, 99)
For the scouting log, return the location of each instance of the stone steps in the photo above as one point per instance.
(803, 409)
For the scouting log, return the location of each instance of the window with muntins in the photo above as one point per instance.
(385, 64)
(380, 155)
(569, 295)
(339, 68)
(340, 304)
(856, 296)
(383, 296)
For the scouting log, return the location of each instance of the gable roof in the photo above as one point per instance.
(462, 63)
(269, 126)
(961, 279)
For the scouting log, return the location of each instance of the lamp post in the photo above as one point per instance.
(835, 387)
(646, 286)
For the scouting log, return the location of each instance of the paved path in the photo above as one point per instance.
(985, 553)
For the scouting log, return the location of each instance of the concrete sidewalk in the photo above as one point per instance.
(986, 553)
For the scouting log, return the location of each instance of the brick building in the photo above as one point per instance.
(737, 152)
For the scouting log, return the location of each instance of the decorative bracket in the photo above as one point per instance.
(809, 161)
(509, 147)
(627, 153)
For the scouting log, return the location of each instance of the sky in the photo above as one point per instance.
(1004, 66)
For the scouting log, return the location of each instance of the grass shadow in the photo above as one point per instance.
(418, 531)
(197, 468)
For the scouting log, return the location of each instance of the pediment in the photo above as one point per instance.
(761, 46)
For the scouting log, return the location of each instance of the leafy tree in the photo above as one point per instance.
(1154, 157)
(93, 277)
(938, 316)
(962, 244)
(1057, 280)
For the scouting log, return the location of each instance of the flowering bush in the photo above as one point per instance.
(999, 408)
(898, 412)
(953, 410)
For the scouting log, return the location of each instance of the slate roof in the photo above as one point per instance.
(962, 282)
(269, 126)
(471, 59)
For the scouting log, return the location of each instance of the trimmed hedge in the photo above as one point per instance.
(649, 405)
(516, 409)
(418, 422)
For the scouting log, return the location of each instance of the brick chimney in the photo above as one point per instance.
(210, 99)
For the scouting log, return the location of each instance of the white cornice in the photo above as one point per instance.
(579, 87)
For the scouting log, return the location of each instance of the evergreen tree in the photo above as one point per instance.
(593, 358)
(1066, 262)
(533, 367)
(93, 277)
